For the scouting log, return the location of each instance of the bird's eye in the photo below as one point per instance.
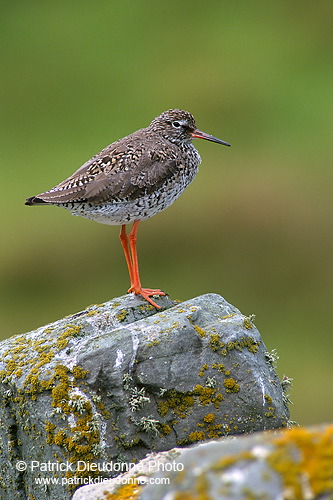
(176, 124)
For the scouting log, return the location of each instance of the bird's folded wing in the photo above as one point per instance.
(112, 178)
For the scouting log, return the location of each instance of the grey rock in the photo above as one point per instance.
(121, 379)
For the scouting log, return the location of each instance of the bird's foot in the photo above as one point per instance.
(146, 293)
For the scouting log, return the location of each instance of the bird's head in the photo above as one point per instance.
(179, 126)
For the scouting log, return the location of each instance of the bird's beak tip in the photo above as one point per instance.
(198, 134)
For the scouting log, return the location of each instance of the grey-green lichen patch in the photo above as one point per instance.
(148, 424)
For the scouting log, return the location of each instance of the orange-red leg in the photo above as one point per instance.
(124, 243)
(131, 257)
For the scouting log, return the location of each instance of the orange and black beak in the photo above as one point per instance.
(197, 134)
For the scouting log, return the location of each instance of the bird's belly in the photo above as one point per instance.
(126, 211)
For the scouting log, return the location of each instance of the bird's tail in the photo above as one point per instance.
(34, 200)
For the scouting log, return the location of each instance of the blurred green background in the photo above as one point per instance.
(256, 226)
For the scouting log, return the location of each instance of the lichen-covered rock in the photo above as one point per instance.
(117, 380)
(294, 464)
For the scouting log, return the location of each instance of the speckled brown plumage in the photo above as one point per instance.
(133, 178)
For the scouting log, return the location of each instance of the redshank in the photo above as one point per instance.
(133, 179)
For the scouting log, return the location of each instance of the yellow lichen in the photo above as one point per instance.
(199, 330)
(219, 367)
(208, 395)
(247, 323)
(203, 369)
(196, 436)
(215, 343)
(304, 460)
(179, 402)
(153, 343)
(244, 342)
(270, 413)
(78, 372)
(121, 316)
(231, 385)
(130, 491)
(268, 398)
(92, 313)
(211, 429)
(60, 438)
(166, 429)
(210, 417)
(49, 428)
(63, 339)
